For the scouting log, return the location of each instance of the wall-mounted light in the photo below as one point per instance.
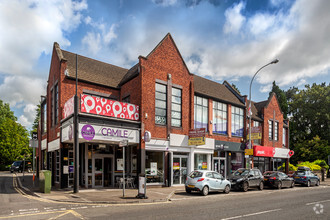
(211, 122)
(169, 76)
(146, 115)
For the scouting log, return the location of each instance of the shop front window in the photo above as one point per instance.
(154, 167)
(200, 162)
(236, 161)
(160, 104)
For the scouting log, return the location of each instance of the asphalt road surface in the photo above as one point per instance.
(296, 203)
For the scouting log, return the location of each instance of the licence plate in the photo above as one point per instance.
(297, 177)
(265, 179)
(191, 186)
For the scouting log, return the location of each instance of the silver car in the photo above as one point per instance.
(205, 181)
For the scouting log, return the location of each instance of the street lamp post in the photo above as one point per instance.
(250, 110)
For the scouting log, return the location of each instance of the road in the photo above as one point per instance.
(296, 203)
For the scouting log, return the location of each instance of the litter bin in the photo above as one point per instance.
(45, 181)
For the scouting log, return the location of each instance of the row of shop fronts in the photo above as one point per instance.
(167, 162)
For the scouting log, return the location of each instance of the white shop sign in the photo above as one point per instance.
(281, 153)
(91, 132)
(44, 144)
(54, 145)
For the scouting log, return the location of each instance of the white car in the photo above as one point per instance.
(205, 181)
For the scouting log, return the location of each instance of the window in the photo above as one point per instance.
(44, 118)
(219, 118)
(273, 130)
(154, 167)
(276, 131)
(257, 124)
(270, 129)
(56, 104)
(176, 108)
(236, 121)
(200, 162)
(201, 112)
(57, 171)
(160, 104)
(284, 137)
(52, 107)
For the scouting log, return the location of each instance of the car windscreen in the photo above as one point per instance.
(269, 174)
(241, 172)
(300, 173)
(17, 163)
(195, 174)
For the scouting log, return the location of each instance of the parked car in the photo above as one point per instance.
(305, 176)
(278, 179)
(244, 178)
(17, 166)
(205, 181)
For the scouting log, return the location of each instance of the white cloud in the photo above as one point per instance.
(28, 116)
(165, 3)
(261, 23)
(28, 28)
(234, 19)
(93, 42)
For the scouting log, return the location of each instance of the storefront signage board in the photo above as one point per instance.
(199, 132)
(107, 107)
(196, 141)
(248, 151)
(281, 153)
(120, 164)
(262, 151)
(105, 133)
(254, 136)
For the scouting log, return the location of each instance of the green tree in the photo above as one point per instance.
(235, 87)
(282, 99)
(310, 115)
(14, 138)
(36, 120)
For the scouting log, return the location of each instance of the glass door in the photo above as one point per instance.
(179, 169)
(98, 172)
(219, 165)
(108, 171)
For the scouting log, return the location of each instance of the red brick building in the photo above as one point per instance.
(271, 149)
(157, 97)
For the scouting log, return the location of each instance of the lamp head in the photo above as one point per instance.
(274, 61)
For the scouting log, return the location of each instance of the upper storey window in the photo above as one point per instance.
(219, 118)
(237, 121)
(201, 112)
(160, 104)
(176, 107)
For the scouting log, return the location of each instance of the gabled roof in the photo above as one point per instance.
(131, 73)
(91, 70)
(168, 35)
(256, 112)
(215, 90)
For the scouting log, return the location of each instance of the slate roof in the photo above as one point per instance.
(256, 111)
(94, 71)
(215, 90)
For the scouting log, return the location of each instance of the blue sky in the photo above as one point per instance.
(218, 39)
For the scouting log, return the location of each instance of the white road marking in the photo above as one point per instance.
(252, 214)
(313, 203)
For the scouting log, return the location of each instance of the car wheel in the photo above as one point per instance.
(205, 191)
(279, 185)
(188, 191)
(227, 189)
(317, 183)
(261, 185)
(245, 187)
(308, 183)
(292, 184)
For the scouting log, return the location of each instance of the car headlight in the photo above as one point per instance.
(239, 180)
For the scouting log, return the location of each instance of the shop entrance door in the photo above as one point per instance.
(219, 165)
(98, 172)
(180, 169)
(108, 171)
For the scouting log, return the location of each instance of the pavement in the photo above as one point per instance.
(103, 195)
(97, 196)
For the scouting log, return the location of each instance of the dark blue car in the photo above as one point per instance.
(305, 177)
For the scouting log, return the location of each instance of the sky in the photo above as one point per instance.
(218, 39)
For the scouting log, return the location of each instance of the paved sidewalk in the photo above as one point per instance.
(106, 196)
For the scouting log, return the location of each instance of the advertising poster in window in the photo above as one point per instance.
(176, 165)
(120, 164)
(153, 168)
(204, 165)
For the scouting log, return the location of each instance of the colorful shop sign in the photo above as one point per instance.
(176, 165)
(102, 106)
(196, 141)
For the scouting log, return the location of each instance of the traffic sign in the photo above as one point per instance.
(34, 135)
(123, 143)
